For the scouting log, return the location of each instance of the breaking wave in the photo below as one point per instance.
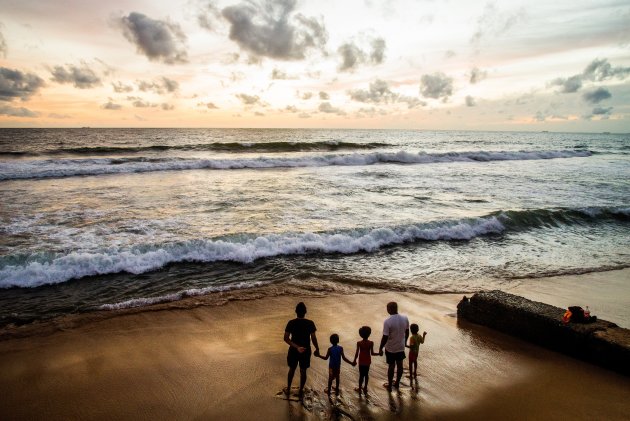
(33, 271)
(98, 166)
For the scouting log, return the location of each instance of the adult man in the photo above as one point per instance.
(395, 334)
(298, 335)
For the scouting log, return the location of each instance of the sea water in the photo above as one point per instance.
(100, 219)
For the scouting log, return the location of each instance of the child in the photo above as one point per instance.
(335, 352)
(365, 350)
(414, 344)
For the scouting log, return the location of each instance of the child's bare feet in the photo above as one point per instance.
(387, 386)
(365, 390)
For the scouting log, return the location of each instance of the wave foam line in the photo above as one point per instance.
(99, 166)
(81, 264)
(176, 296)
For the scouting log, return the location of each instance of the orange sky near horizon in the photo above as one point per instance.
(410, 64)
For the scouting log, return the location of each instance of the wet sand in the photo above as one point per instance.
(228, 362)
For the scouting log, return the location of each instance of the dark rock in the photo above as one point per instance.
(601, 342)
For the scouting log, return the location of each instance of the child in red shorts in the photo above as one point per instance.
(365, 350)
(414, 345)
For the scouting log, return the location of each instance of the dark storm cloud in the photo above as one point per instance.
(477, 75)
(470, 101)
(156, 39)
(437, 85)
(352, 55)
(120, 88)
(15, 84)
(17, 111)
(598, 70)
(325, 107)
(110, 105)
(270, 28)
(597, 95)
(379, 92)
(80, 77)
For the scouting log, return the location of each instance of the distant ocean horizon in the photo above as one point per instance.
(100, 219)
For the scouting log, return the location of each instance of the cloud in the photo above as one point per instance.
(59, 116)
(208, 105)
(596, 96)
(278, 74)
(270, 28)
(378, 51)
(305, 95)
(602, 111)
(15, 84)
(291, 108)
(477, 75)
(139, 103)
(4, 49)
(380, 92)
(568, 85)
(370, 112)
(324, 95)
(158, 40)
(163, 85)
(167, 107)
(493, 23)
(209, 16)
(17, 111)
(80, 77)
(437, 85)
(470, 101)
(598, 70)
(304, 115)
(119, 87)
(352, 55)
(249, 99)
(325, 107)
(110, 105)
(259, 114)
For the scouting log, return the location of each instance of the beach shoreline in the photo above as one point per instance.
(228, 361)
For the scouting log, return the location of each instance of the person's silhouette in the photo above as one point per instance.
(298, 335)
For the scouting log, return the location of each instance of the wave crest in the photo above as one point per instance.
(99, 166)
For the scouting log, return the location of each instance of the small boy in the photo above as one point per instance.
(335, 353)
(414, 345)
(365, 350)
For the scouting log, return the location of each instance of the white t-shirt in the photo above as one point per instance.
(394, 328)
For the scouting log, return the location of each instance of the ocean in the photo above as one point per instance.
(103, 219)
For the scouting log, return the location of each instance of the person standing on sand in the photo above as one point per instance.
(395, 334)
(298, 335)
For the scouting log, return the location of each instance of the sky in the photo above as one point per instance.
(405, 64)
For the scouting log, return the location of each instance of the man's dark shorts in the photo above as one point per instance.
(392, 357)
(294, 357)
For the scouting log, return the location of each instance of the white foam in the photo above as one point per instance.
(80, 264)
(98, 166)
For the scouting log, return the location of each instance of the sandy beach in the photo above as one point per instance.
(228, 362)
